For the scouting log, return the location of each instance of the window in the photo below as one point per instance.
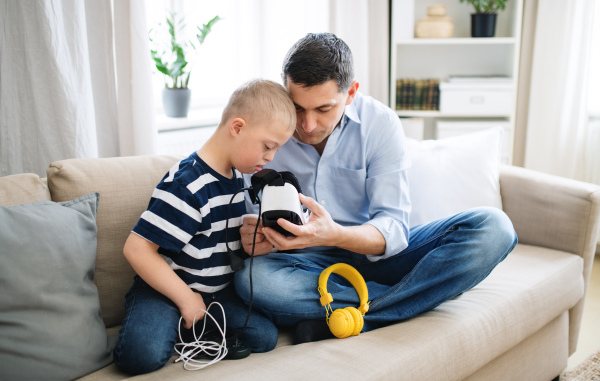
(250, 42)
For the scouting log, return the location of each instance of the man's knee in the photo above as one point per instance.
(497, 231)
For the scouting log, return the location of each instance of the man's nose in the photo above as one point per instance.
(309, 123)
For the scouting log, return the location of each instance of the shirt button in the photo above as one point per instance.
(322, 202)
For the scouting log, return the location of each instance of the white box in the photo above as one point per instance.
(476, 98)
(413, 127)
(446, 129)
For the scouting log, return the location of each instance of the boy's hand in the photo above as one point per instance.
(320, 230)
(190, 308)
(262, 246)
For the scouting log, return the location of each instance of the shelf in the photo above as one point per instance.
(438, 114)
(458, 41)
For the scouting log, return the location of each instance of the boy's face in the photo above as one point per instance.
(319, 109)
(259, 143)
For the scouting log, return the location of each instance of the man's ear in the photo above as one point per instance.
(352, 92)
(236, 126)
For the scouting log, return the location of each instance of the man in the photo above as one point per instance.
(348, 155)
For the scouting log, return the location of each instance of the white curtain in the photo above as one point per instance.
(137, 127)
(58, 93)
(557, 121)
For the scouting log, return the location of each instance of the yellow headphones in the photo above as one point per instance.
(347, 321)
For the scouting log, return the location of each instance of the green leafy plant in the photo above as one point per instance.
(173, 53)
(487, 6)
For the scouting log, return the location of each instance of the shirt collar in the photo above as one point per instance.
(351, 113)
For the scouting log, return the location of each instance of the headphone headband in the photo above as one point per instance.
(352, 276)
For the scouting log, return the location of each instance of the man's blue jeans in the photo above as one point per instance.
(150, 327)
(443, 259)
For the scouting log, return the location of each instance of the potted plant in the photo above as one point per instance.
(483, 21)
(174, 56)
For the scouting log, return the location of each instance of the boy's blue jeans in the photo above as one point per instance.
(443, 259)
(150, 327)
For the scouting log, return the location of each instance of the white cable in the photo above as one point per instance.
(187, 351)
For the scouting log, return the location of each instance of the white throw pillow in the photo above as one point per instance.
(450, 175)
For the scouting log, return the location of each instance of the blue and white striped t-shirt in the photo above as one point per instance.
(186, 218)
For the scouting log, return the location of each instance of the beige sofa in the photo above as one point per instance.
(521, 323)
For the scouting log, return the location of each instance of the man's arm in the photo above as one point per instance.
(152, 268)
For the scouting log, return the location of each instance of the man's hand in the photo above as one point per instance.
(320, 230)
(190, 309)
(247, 233)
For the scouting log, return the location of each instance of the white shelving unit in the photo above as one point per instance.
(423, 58)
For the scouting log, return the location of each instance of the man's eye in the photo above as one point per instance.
(324, 110)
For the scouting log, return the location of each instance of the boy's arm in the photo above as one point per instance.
(152, 268)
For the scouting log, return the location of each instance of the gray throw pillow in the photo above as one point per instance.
(50, 324)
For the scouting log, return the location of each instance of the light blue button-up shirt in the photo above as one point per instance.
(361, 176)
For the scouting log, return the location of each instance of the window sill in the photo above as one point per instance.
(205, 117)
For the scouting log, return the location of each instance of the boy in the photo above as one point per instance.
(178, 246)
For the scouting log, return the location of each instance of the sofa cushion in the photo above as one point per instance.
(50, 323)
(527, 291)
(450, 175)
(125, 185)
(23, 188)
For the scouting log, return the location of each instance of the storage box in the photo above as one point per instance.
(413, 127)
(477, 98)
(446, 129)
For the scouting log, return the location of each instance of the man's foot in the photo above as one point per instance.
(312, 330)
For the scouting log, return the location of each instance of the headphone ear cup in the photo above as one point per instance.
(341, 323)
(358, 320)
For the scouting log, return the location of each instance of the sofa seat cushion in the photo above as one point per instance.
(524, 293)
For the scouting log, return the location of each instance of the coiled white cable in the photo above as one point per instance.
(188, 351)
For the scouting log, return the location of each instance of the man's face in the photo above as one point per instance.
(318, 109)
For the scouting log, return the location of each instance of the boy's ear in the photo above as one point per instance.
(352, 92)
(236, 126)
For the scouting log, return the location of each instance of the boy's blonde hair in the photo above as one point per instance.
(259, 100)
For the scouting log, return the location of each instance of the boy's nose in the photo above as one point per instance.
(270, 155)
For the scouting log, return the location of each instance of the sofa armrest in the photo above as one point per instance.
(551, 211)
(556, 213)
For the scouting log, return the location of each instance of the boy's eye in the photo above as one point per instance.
(268, 148)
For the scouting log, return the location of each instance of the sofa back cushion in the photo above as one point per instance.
(125, 185)
(22, 189)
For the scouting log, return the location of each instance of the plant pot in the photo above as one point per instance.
(483, 24)
(176, 102)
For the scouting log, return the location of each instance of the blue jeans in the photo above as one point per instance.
(443, 259)
(150, 327)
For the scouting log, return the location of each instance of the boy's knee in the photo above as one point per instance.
(141, 363)
(141, 357)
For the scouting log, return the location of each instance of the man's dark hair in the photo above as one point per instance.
(318, 58)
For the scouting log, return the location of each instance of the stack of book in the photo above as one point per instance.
(417, 94)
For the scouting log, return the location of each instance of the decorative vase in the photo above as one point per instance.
(436, 24)
(483, 24)
(176, 102)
